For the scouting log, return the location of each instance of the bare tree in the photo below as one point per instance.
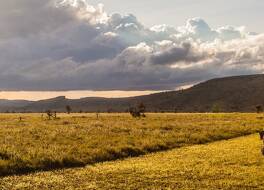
(51, 114)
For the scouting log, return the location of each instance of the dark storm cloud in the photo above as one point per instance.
(173, 55)
(66, 45)
(21, 18)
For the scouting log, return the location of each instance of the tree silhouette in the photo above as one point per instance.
(51, 114)
(68, 109)
(259, 109)
(216, 108)
(142, 109)
(138, 111)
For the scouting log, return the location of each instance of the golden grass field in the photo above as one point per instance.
(37, 144)
(228, 164)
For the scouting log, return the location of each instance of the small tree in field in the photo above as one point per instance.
(134, 112)
(51, 114)
(142, 109)
(259, 109)
(216, 108)
(68, 109)
(138, 111)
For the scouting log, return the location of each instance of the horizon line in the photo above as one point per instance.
(79, 94)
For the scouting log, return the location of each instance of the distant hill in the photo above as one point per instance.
(230, 94)
(8, 105)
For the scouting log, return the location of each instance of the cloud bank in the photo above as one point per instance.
(72, 45)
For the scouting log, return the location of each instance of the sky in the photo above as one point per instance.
(90, 47)
(41, 95)
(175, 12)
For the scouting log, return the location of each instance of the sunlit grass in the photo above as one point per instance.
(231, 164)
(36, 143)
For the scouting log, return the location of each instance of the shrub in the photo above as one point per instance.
(216, 108)
(138, 111)
(259, 108)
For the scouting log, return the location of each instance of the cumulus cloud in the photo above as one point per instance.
(72, 45)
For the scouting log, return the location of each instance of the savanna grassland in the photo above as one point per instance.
(229, 164)
(36, 143)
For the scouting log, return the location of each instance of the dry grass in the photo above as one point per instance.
(80, 139)
(232, 164)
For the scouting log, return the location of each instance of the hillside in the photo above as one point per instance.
(10, 105)
(230, 94)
